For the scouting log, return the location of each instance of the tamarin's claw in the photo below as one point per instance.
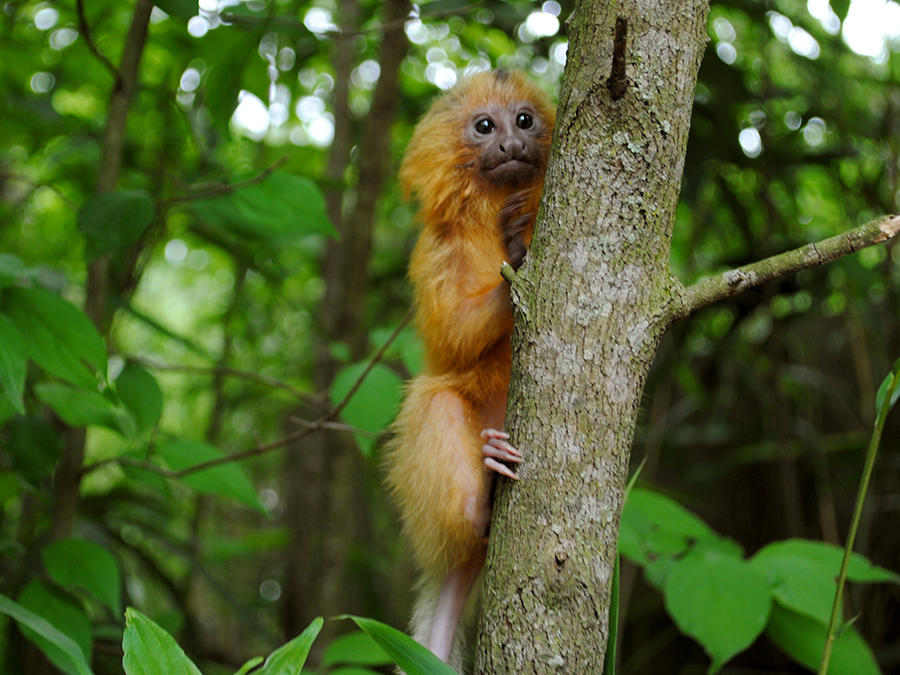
(497, 448)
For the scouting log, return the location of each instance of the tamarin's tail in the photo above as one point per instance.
(428, 588)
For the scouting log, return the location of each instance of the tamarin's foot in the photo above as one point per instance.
(497, 448)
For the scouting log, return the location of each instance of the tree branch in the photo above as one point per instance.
(89, 40)
(221, 190)
(728, 284)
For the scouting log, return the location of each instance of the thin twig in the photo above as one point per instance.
(265, 380)
(333, 426)
(221, 190)
(321, 423)
(89, 40)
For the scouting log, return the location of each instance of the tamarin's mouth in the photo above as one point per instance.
(511, 171)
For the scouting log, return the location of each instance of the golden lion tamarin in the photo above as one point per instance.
(476, 163)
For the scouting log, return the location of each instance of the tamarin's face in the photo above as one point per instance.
(506, 138)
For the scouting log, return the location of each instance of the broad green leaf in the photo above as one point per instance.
(374, 404)
(412, 657)
(63, 614)
(13, 359)
(250, 665)
(891, 377)
(114, 220)
(226, 69)
(281, 208)
(58, 336)
(141, 394)
(149, 650)
(35, 445)
(289, 658)
(41, 628)
(78, 563)
(799, 584)
(655, 529)
(828, 557)
(720, 601)
(355, 648)
(803, 639)
(227, 480)
(183, 9)
(80, 408)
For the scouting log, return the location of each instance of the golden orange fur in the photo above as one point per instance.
(434, 465)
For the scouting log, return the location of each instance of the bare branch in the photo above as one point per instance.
(221, 190)
(708, 291)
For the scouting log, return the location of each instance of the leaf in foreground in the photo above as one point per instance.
(406, 652)
(290, 657)
(149, 650)
(40, 626)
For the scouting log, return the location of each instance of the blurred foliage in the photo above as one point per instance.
(757, 409)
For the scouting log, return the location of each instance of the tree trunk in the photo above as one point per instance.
(591, 302)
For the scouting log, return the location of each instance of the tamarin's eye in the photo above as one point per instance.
(484, 127)
(524, 121)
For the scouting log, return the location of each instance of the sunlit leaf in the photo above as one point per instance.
(290, 657)
(58, 336)
(720, 601)
(78, 563)
(828, 557)
(149, 650)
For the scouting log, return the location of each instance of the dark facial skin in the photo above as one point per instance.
(507, 142)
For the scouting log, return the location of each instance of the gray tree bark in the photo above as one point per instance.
(591, 303)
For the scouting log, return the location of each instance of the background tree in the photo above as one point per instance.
(217, 331)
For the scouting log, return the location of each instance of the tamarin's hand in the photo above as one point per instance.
(513, 224)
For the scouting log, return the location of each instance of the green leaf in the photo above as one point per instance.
(356, 648)
(141, 394)
(13, 359)
(289, 658)
(115, 220)
(149, 650)
(799, 584)
(892, 379)
(227, 480)
(58, 336)
(11, 268)
(655, 530)
(78, 563)
(40, 628)
(250, 665)
(828, 557)
(720, 601)
(375, 403)
(803, 639)
(280, 209)
(35, 445)
(183, 9)
(80, 408)
(67, 617)
(412, 657)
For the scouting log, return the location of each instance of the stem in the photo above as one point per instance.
(854, 524)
